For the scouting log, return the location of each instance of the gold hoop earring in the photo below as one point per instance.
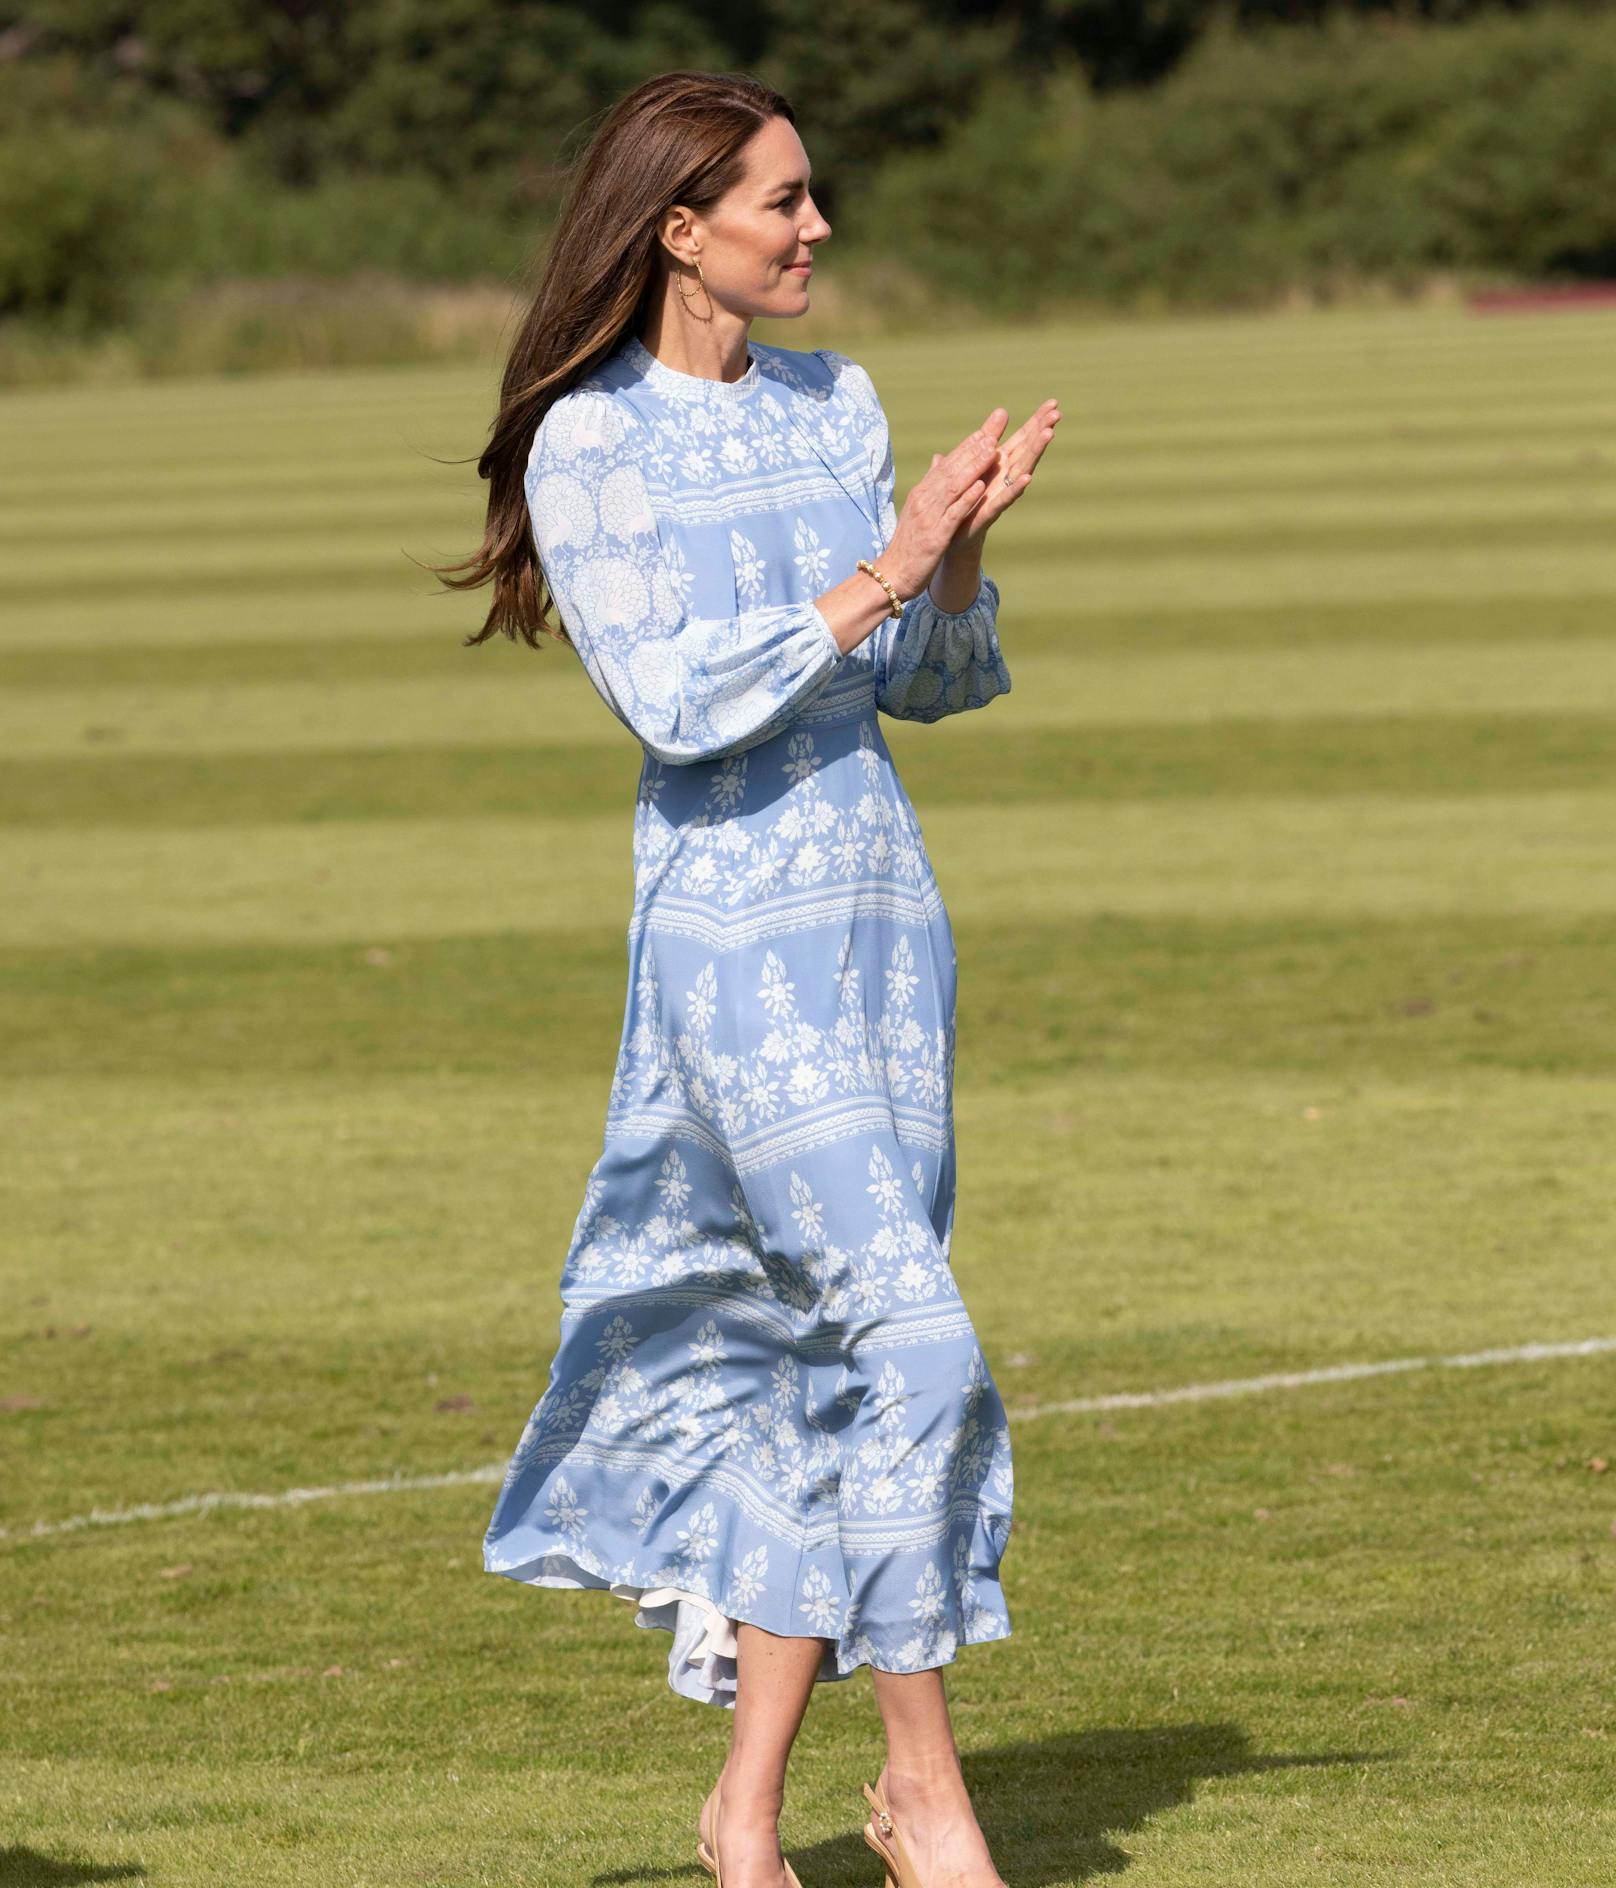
(704, 289)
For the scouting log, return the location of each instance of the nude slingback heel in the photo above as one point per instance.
(709, 1861)
(881, 1833)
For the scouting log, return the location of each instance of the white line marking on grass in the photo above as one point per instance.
(287, 1498)
(1121, 1399)
(1331, 1373)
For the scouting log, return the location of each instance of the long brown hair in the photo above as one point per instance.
(677, 138)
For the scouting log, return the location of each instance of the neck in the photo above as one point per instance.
(711, 350)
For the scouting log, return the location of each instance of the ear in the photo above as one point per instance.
(676, 235)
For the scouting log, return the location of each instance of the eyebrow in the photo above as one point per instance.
(790, 183)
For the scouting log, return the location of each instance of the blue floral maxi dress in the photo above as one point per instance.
(768, 1402)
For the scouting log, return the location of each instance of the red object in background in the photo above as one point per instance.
(1578, 295)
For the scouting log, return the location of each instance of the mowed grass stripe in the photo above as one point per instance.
(1577, 497)
(326, 559)
(1251, 424)
(1363, 1216)
(328, 646)
(375, 612)
(417, 410)
(238, 480)
(1075, 692)
(125, 527)
(1231, 757)
(1424, 342)
(244, 1241)
(424, 409)
(1397, 463)
(1120, 426)
(378, 881)
(1410, 998)
(1385, 345)
(380, 411)
(1570, 512)
(1042, 579)
(338, 537)
(376, 1155)
(1437, 341)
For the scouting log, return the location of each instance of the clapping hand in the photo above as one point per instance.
(948, 512)
(1018, 455)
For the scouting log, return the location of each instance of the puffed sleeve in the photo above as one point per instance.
(928, 662)
(691, 687)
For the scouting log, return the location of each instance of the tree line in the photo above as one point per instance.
(1010, 156)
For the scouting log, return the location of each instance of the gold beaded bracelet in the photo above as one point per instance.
(897, 608)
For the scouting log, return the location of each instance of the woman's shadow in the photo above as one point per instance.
(1052, 1809)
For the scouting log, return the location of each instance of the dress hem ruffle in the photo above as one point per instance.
(702, 1659)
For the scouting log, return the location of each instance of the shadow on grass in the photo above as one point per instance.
(27, 1868)
(1052, 1810)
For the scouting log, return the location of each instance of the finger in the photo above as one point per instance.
(1041, 422)
(1009, 483)
(957, 479)
(973, 457)
(986, 437)
(1033, 449)
(969, 497)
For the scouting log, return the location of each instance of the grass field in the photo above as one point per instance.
(1284, 885)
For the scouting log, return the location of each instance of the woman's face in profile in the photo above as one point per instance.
(763, 226)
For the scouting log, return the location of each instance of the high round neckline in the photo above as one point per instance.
(689, 386)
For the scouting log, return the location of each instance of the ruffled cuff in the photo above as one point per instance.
(938, 662)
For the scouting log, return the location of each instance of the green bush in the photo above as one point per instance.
(73, 227)
(110, 198)
(1361, 151)
(1520, 170)
(98, 185)
(1278, 158)
(410, 226)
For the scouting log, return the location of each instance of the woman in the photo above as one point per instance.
(769, 1423)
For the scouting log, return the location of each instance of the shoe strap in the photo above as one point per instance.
(883, 1816)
